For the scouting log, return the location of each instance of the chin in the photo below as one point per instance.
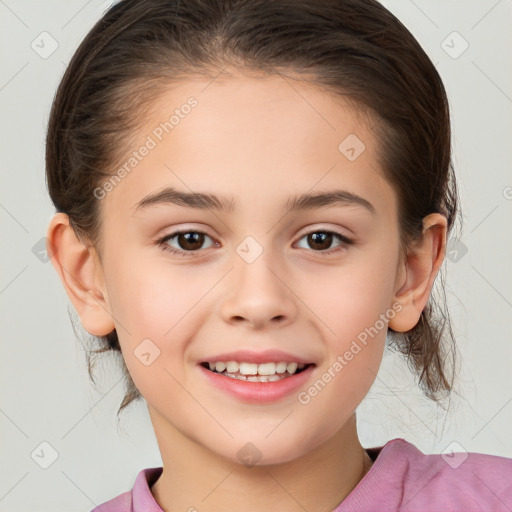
(256, 451)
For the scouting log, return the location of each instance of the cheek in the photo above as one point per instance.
(151, 298)
(152, 309)
(353, 303)
(351, 297)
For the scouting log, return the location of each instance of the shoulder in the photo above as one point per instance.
(139, 499)
(453, 479)
(452, 462)
(404, 478)
(121, 503)
(454, 465)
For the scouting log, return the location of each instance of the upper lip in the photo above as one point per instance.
(263, 356)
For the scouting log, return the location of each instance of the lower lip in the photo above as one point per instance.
(258, 392)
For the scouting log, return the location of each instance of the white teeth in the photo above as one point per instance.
(267, 369)
(280, 367)
(262, 372)
(255, 378)
(239, 377)
(248, 368)
(262, 378)
(291, 367)
(231, 366)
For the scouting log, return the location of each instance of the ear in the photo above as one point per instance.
(417, 273)
(81, 273)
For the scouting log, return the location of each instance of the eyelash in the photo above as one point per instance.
(165, 247)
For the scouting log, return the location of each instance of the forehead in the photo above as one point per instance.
(255, 139)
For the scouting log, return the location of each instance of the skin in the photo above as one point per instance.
(260, 141)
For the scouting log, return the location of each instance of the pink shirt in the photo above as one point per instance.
(402, 478)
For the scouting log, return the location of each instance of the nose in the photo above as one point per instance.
(258, 294)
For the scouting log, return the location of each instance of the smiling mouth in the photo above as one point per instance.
(253, 372)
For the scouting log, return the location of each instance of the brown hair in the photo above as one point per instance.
(353, 48)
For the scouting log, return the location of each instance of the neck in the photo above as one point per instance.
(197, 478)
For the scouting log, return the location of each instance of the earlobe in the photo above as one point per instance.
(79, 268)
(420, 268)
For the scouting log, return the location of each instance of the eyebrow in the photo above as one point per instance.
(204, 201)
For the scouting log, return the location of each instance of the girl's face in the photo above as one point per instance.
(254, 281)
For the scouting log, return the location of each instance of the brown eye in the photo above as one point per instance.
(321, 241)
(184, 241)
(190, 241)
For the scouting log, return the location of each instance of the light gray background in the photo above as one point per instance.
(45, 392)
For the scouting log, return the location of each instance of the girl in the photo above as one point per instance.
(250, 196)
